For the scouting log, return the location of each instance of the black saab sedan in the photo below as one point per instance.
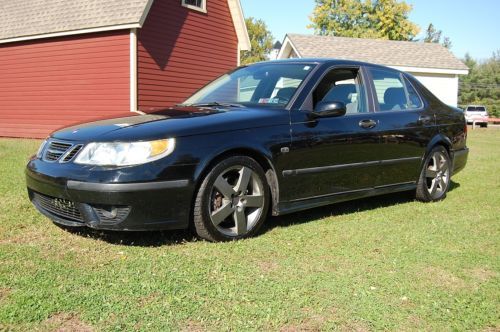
(270, 138)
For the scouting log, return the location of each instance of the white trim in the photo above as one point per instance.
(202, 9)
(239, 25)
(145, 13)
(238, 55)
(70, 33)
(287, 43)
(431, 70)
(133, 70)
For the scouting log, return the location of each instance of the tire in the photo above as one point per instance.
(232, 201)
(484, 125)
(434, 180)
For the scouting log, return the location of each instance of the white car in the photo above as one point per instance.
(476, 113)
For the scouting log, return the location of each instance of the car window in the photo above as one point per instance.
(393, 93)
(270, 85)
(476, 109)
(342, 85)
(414, 100)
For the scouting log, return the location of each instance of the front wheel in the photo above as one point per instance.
(435, 176)
(232, 201)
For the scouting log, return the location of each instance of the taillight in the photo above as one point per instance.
(465, 129)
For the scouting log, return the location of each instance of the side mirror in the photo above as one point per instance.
(329, 109)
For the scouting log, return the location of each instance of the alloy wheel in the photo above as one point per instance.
(437, 175)
(236, 201)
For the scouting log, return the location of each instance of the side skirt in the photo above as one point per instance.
(312, 202)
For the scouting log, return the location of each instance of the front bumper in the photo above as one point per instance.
(111, 206)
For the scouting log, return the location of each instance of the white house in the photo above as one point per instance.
(432, 64)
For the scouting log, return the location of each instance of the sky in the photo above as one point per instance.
(473, 26)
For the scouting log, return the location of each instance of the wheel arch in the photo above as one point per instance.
(261, 157)
(439, 139)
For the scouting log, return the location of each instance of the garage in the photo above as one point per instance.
(46, 85)
(432, 64)
(65, 62)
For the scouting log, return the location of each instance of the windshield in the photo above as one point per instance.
(270, 85)
(476, 109)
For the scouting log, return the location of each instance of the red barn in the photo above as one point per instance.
(63, 62)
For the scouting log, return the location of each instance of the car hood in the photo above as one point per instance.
(173, 122)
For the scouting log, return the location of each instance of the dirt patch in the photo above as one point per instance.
(151, 298)
(312, 323)
(482, 274)
(65, 322)
(417, 323)
(443, 278)
(267, 266)
(4, 292)
(491, 329)
(193, 326)
(355, 326)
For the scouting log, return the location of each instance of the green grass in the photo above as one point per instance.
(382, 263)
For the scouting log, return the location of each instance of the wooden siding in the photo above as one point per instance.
(51, 83)
(180, 50)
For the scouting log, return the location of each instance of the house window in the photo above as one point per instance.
(199, 5)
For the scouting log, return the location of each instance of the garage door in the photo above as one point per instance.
(50, 83)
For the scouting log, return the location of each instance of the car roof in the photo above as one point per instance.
(328, 61)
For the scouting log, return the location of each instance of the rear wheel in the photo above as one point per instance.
(232, 201)
(435, 176)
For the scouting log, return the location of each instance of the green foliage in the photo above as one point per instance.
(383, 19)
(482, 85)
(382, 263)
(433, 35)
(261, 40)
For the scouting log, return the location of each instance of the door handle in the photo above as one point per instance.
(368, 124)
(425, 118)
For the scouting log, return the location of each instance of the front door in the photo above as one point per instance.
(333, 155)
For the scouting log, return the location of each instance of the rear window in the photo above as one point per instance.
(476, 109)
(393, 92)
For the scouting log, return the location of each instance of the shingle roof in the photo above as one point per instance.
(383, 52)
(20, 18)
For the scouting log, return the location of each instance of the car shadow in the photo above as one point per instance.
(343, 208)
(136, 239)
(179, 237)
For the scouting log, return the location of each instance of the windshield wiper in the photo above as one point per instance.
(214, 104)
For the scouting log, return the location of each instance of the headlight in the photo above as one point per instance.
(125, 154)
(40, 149)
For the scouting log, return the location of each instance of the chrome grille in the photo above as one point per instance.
(71, 153)
(59, 207)
(55, 150)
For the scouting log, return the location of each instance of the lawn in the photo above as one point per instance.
(386, 263)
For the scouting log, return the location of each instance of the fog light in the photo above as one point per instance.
(111, 213)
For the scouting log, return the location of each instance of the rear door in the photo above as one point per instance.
(405, 125)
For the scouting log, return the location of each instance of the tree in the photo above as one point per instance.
(261, 40)
(482, 85)
(390, 19)
(433, 35)
(384, 19)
